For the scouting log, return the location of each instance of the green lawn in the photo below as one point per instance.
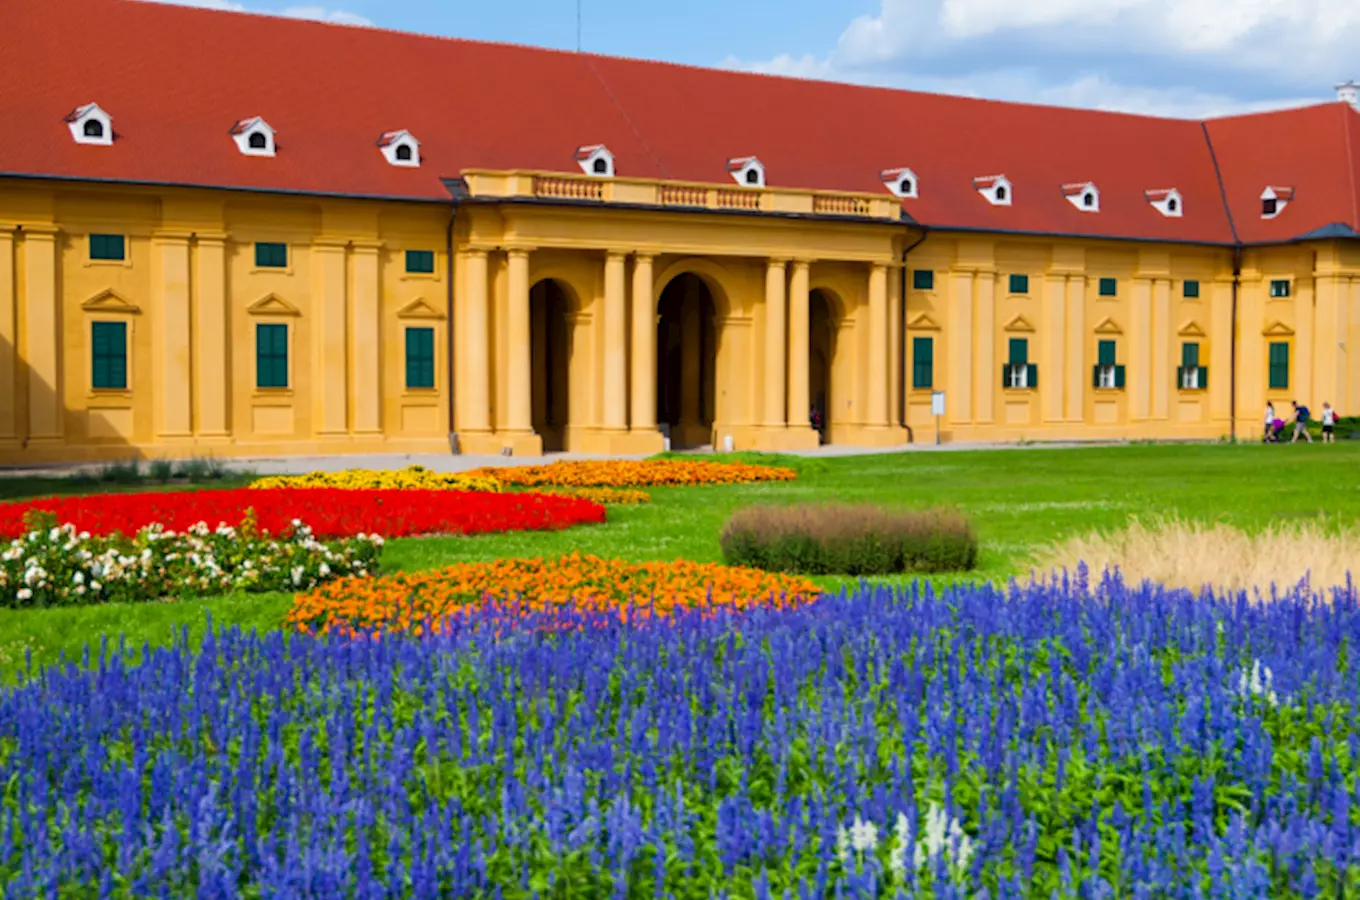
(1018, 499)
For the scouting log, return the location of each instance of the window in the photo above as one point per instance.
(420, 357)
(1019, 372)
(420, 262)
(1088, 200)
(752, 176)
(905, 187)
(1269, 206)
(271, 256)
(1000, 193)
(1109, 287)
(108, 360)
(601, 167)
(259, 141)
(1279, 364)
(1191, 375)
(271, 356)
(1108, 373)
(1019, 284)
(1190, 289)
(107, 246)
(1279, 287)
(404, 152)
(94, 128)
(922, 362)
(1171, 204)
(923, 280)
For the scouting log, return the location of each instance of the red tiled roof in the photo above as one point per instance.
(176, 79)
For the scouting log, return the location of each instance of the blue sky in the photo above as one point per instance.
(1187, 58)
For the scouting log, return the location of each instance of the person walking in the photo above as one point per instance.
(1328, 424)
(1270, 422)
(1300, 423)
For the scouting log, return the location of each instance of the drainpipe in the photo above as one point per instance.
(448, 337)
(1232, 379)
(902, 352)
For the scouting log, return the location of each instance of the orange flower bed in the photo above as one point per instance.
(407, 600)
(607, 496)
(635, 474)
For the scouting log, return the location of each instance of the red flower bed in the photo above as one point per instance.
(330, 513)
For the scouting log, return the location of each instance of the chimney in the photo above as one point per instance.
(1349, 93)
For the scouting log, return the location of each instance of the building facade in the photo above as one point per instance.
(199, 279)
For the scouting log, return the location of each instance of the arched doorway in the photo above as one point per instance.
(821, 353)
(686, 360)
(550, 344)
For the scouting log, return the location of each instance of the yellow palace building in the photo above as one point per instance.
(237, 235)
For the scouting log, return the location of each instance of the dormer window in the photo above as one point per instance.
(1166, 201)
(995, 189)
(253, 137)
(1274, 199)
(400, 148)
(595, 159)
(901, 182)
(90, 125)
(747, 170)
(1085, 196)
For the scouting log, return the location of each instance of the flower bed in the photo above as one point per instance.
(633, 474)
(59, 566)
(1038, 742)
(416, 478)
(410, 600)
(607, 496)
(331, 512)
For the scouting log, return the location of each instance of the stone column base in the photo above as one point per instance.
(622, 443)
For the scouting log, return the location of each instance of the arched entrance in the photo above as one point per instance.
(821, 354)
(550, 344)
(686, 360)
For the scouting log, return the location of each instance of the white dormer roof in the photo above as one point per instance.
(90, 125)
(1167, 201)
(400, 148)
(1274, 199)
(253, 137)
(747, 171)
(1084, 195)
(995, 189)
(595, 159)
(902, 182)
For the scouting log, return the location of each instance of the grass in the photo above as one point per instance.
(1019, 501)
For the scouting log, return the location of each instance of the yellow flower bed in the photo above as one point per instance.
(635, 473)
(607, 496)
(411, 478)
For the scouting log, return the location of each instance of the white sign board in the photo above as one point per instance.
(937, 403)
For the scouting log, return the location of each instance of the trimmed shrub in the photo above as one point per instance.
(841, 539)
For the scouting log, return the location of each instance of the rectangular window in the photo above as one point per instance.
(1279, 287)
(107, 246)
(420, 262)
(1191, 374)
(1109, 287)
(1019, 284)
(922, 362)
(1019, 372)
(420, 357)
(271, 356)
(923, 280)
(1108, 373)
(108, 362)
(1190, 289)
(271, 256)
(1279, 365)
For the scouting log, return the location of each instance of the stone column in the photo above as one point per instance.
(799, 404)
(330, 354)
(211, 371)
(42, 342)
(170, 261)
(475, 415)
(959, 328)
(9, 419)
(896, 380)
(775, 340)
(519, 419)
(615, 344)
(878, 347)
(366, 327)
(642, 385)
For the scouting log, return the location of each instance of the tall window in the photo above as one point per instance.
(108, 361)
(420, 262)
(1191, 374)
(107, 246)
(420, 357)
(923, 280)
(923, 362)
(1019, 284)
(1019, 372)
(1190, 289)
(1108, 372)
(271, 256)
(271, 356)
(1279, 364)
(1279, 287)
(1109, 287)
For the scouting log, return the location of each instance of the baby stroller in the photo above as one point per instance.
(1276, 433)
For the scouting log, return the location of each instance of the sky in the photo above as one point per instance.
(1184, 58)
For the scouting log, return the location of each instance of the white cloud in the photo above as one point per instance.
(314, 13)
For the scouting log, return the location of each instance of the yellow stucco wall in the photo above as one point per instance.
(191, 296)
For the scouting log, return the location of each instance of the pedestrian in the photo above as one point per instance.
(1270, 422)
(1328, 424)
(1300, 423)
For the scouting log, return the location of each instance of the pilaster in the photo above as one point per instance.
(474, 414)
(799, 404)
(896, 374)
(776, 340)
(642, 384)
(988, 373)
(1305, 346)
(1162, 334)
(9, 418)
(615, 344)
(171, 362)
(330, 375)
(878, 347)
(1219, 359)
(42, 337)
(959, 381)
(1054, 338)
(366, 339)
(211, 402)
(1139, 383)
(1078, 375)
(520, 407)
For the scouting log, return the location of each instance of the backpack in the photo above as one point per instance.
(1302, 414)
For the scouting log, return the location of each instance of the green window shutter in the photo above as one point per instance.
(1109, 287)
(1203, 377)
(1033, 375)
(108, 363)
(1190, 289)
(1019, 351)
(420, 262)
(923, 280)
(1019, 284)
(1095, 376)
(107, 246)
(1105, 353)
(1279, 287)
(923, 362)
(1119, 376)
(271, 356)
(1005, 375)
(271, 256)
(420, 357)
(1190, 355)
(1279, 365)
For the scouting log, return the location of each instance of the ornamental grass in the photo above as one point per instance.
(416, 478)
(412, 600)
(844, 539)
(636, 473)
